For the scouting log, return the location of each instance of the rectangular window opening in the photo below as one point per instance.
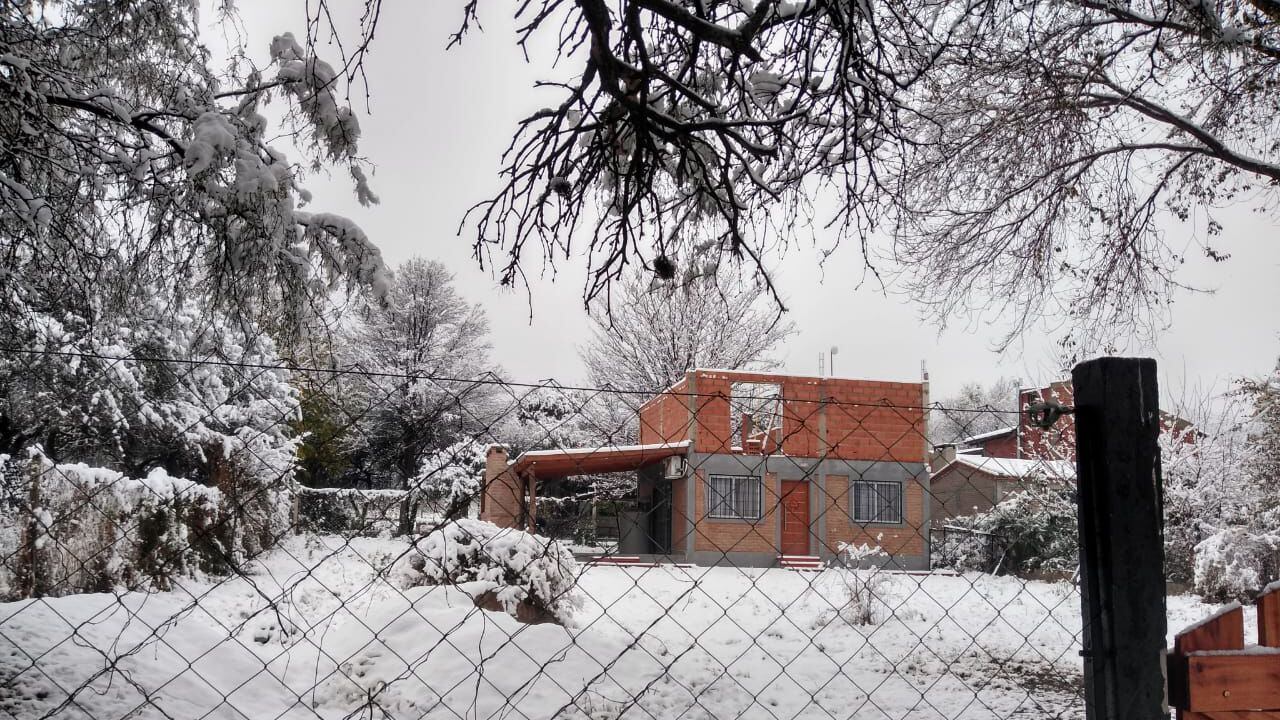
(877, 502)
(736, 497)
(755, 416)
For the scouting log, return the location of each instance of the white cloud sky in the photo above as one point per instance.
(439, 121)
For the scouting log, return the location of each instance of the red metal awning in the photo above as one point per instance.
(590, 461)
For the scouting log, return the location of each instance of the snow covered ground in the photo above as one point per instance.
(314, 631)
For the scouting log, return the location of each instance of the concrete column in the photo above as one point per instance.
(691, 398)
(693, 512)
(502, 493)
(926, 477)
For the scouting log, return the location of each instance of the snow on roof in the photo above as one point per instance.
(990, 435)
(591, 460)
(558, 452)
(1010, 467)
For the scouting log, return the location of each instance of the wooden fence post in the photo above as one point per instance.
(1117, 420)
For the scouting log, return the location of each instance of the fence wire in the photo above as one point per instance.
(210, 539)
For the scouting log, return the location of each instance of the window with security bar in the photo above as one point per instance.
(877, 502)
(735, 497)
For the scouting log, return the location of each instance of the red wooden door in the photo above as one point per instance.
(795, 518)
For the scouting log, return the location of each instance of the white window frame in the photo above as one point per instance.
(880, 487)
(715, 501)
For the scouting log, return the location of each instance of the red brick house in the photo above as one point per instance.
(987, 467)
(1055, 443)
(970, 483)
(1028, 442)
(744, 468)
(1002, 443)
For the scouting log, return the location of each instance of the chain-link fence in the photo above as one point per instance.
(214, 539)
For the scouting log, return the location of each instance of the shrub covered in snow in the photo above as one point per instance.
(1207, 487)
(1234, 563)
(1222, 523)
(72, 528)
(450, 479)
(525, 569)
(348, 511)
(1036, 528)
(125, 392)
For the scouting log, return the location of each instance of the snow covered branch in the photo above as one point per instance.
(124, 156)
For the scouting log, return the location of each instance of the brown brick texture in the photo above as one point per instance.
(907, 538)
(716, 535)
(863, 419)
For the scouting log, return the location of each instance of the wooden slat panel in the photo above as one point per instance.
(1230, 715)
(1223, 632)
(1269, 618)
(1233, 682)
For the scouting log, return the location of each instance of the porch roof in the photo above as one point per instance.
(565, 462)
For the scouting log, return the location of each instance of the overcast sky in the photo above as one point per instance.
(439, 120)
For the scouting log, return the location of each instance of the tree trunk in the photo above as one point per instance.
(408, 514)
(29, 571)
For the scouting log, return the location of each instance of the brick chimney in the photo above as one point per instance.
(500, 501)
(943, 455)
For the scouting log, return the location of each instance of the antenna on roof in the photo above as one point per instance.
(822, 360)
(834, 350)
(924, 371)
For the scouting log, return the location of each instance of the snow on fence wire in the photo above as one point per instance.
(771, 549)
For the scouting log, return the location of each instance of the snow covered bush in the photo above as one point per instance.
(1037, 527)
(1205, 489)
(529, 576)
(71, 528)
(348, 511)
(450, 479)
(165, 385)
(1222, 526)
(1235, 563)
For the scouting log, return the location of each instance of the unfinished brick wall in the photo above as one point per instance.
(871, 420)
(665, 418)
(904, 539)
(859, 420)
